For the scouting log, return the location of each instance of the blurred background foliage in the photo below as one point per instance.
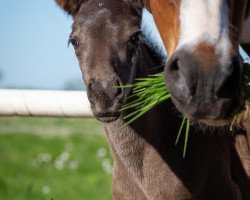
(54, 158)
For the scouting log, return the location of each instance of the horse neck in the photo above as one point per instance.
(153, 133)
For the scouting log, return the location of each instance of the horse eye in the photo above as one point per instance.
(74, 42)
(135, 38)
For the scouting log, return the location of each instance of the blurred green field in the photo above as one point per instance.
(52, 158)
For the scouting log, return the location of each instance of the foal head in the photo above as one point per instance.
(203, 72)
(105, 35)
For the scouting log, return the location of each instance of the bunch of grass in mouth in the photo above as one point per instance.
(146, 94)
(151, 91)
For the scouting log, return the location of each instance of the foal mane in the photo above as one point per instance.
(148, 60)
(247, 10)
(155, 55)
(152, 44)
(135, 5)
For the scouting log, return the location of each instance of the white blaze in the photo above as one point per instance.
(205, 21)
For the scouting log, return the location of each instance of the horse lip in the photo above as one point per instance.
(224, 119)
(107, 114)
(107, 117)
(208, 120)
(212, 121)
(217, 122)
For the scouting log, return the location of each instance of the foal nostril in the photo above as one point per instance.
(119, 90)
(229, 86)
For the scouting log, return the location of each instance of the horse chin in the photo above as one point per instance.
(107, 119)
(107, 114)
(209, 120)
(218, 123)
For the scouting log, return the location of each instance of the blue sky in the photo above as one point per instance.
(34, 51)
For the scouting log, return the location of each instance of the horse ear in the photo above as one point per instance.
(70, 6)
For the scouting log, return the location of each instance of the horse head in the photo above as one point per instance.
(204, 69)
(106, 35)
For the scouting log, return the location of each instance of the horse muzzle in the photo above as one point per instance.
(106, 99)
(203, 91)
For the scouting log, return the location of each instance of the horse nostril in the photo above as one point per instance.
(119, 90)
(174, 66)
(173, 70)
(177, 78)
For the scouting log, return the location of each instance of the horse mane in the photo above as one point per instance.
(136, 6)
(247, 9)
(154, 53)
(136, 3)
(150, 61)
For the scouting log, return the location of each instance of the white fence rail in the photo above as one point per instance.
(44, 103)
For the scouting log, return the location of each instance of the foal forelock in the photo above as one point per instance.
(99, 31)
(205, 21)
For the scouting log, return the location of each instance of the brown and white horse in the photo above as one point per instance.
(202, 37)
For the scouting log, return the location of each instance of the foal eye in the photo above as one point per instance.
(135, 38)
(74, 42)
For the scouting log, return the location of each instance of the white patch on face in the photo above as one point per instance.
(245, 36)
(205, 21)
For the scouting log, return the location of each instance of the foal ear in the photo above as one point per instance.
(70, 6)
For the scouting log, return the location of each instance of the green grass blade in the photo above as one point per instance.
(180, 130)
(186, 138)
(134, 118)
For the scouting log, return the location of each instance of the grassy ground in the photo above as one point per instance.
(59, 159)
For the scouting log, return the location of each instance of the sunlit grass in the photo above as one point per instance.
(39, 160)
